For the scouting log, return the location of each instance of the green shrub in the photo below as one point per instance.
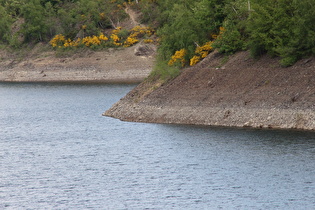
(282, 28)
(230, 40)
(5, 24)
(34, 28)
(163, 71)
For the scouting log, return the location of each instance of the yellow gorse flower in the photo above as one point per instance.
(130, 41)
(57, 40)
(179, 56)
(102, 15)
(222, 29)
(117, 30)
(114, 39)
(102, 37)
(141, 31)
(194, 60)
(201, 53)
(148, 41)
(91, 40)
(204, 50)
(136, 33)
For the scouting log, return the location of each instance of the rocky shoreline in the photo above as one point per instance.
(128, 65)
(242, 92)
(215, 116)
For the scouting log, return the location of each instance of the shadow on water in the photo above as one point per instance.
(245, 136)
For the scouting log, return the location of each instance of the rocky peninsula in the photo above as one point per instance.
(236, 91)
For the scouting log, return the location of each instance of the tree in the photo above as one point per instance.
(5, 24)
(188, 24)
(282, 28)
(34, 28)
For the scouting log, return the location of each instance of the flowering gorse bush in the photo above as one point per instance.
(70, 43)
(136, 33)
(130, 41)
(178, 57)
(58, 40)
(148, 41)
(91, 40)
(116, 39)
(201, 53)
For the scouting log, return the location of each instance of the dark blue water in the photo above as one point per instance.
(58, 152)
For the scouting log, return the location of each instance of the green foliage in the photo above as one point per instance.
(302, 42)
(5, 24)
(233, 36)
(12, 7)
(209, 15)
(83, 17)
(149, 12)
(188, 24)
(123, 33)
(163, 71)
(282, 28)
(43, 19)
(267, 26)
(34, 28)
(180, 32)
(230, 39)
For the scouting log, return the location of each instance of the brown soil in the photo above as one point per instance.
(242, 82)
(238, 91)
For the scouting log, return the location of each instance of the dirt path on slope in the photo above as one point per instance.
(133, 16)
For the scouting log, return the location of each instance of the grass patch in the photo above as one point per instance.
(224, 60)
(163, 71)
(64, 53)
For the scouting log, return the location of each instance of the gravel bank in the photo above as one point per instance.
(215, 116)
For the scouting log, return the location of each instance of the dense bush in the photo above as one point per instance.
(188, 24)
(118, 37)
(41, 20)
(282, 28)
(5, 24)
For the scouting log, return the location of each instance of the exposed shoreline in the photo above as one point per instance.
(215, 116)
(108, 66)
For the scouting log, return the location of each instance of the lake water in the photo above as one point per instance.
(58, 152)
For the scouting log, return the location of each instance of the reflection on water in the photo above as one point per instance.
(57, 151)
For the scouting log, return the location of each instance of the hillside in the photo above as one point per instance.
(42, 63)
(240, 91)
